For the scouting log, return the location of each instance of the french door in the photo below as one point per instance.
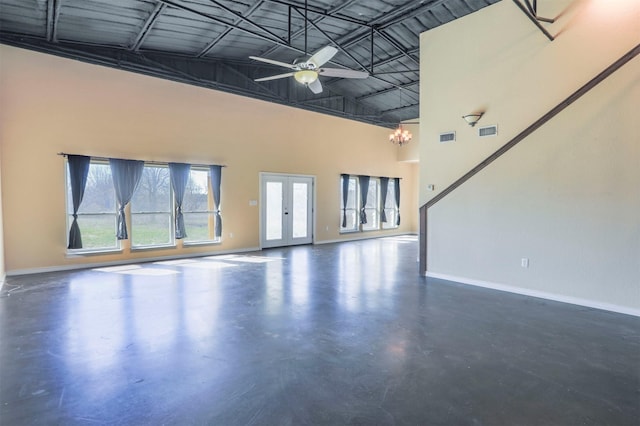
(286, 210)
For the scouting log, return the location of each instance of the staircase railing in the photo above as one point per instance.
(513, 142)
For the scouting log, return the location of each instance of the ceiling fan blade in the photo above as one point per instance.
(322, 56)
(275, 77)
(272, 62)
(315, 87)
(343, 73)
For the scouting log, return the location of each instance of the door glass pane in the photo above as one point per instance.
(273, 220)
(300, 213)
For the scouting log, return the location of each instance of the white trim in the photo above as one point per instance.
(536, 293)
(365, 237)
(60, 268)
(2, 281)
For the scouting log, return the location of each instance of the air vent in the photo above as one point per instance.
(488, 131)
(448, 137)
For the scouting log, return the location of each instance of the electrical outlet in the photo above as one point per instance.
(524, 262)
(326, 228)
(230, 234)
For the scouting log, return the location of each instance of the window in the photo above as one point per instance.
(97, 212)
(198, 208)
(371, 208)
(351, 211)
(152, 209)
(390, 209)
(150, 214)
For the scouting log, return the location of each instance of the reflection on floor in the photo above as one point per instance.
(208, 262)
(336, 334)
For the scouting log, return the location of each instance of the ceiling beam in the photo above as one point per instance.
(144, 31)
(325, 14)
(301, 30)
(403, 52)
(223, 22)
(226, 32)
(246, 19)
(53, 14)
(328, 37)
(384, 111)
(389, 90)
(533, 19)
(408, 10)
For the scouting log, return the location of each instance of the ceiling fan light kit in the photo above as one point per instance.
(305, 76)
(307, 72)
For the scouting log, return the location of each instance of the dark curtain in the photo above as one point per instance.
(216, 180)
(179, 178)
(345, 198)
(364, 191)
(78, 172)
(384, 185)
(397, 188)
(126, 176)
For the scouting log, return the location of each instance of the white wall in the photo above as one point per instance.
(567, 197)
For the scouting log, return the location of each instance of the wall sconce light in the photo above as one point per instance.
(472, 119)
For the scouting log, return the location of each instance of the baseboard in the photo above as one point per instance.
(60, 268)
(363, 237)
(540, 294)
(2, 280)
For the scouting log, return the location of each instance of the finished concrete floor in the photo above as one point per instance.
(338, 334)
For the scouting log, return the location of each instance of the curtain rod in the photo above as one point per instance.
(160, 163)
(390, 177)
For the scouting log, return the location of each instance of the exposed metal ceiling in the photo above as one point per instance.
(208, 43)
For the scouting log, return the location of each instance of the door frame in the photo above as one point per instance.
(262, 176)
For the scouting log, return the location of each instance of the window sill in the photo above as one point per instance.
(201, 243)
(97, 252)
(151, 248)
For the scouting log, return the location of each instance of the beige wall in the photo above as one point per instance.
(52, 104)
(567, 197)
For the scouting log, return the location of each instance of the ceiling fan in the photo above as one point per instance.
(307, 72)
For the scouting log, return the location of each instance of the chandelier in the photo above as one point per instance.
(400, 136)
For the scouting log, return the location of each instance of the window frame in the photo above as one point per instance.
(372, 204)
(390, 200)
(355, 209)
(171, 213)
(380, 226)
(210, 212)
(117, 246)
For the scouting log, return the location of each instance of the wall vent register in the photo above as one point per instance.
(448, 137)
(488, 131)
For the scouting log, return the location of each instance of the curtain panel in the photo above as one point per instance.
(397, 189)
(216, 180)
(345, 198)
(364, 191)
(78, 172)
(179, 173)
(126, 177)
(384, 187)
